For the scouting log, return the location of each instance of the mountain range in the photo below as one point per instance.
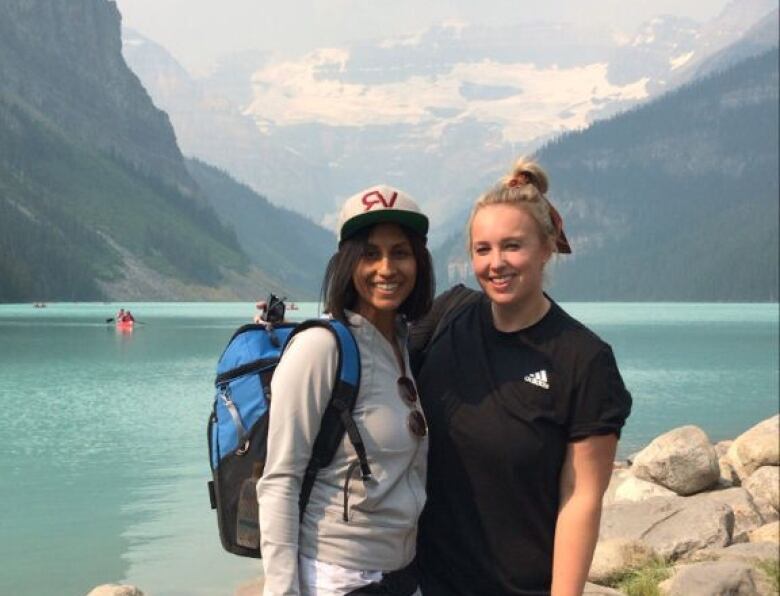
(674, 200)
(96, 199)
(433, 112)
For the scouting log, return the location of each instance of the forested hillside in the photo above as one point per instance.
(75, 220)
(96, 201)
(674, 200)
(288, 247)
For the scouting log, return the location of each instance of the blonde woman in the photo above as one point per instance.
(524, 405)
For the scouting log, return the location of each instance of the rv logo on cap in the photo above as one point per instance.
(373, 198)
(380, 203)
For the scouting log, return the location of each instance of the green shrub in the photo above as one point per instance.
(641, 581)
(772, 570)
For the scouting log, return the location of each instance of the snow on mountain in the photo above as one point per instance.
(437, 111)
(653, 51)
(206, 115)
(669, 50)
(525, 100)
(759, 38)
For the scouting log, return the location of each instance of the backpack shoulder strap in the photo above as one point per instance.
(446, 309)
(337, 418)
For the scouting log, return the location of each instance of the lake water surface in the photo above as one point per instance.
(104, 462)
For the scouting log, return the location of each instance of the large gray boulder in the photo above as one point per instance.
(617, 554)
(115, 590)
(747, 516)
(767, 533)
(671, 526)
(634, 490)
(618, 475)
(746, 552)
(682, 460)
(616, 479)
(624, 487)
(764, 485)
(758, 446)
(722, 447)
(728, 476)
(717, 578)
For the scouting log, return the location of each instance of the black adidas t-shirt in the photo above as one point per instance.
(501, 408)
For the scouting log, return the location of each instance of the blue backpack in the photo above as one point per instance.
(238, 425)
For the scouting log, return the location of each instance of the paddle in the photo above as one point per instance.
(111, 320)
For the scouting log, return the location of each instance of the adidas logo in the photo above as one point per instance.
(538, 378)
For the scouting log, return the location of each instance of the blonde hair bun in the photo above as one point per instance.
(526, 185)
(526, 171)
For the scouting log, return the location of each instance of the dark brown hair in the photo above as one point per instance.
(338, 290)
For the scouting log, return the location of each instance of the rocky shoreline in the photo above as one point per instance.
(707, 513)
(702, 518)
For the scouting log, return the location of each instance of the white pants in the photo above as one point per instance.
(326, 579)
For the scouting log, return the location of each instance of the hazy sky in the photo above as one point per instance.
(197, 32)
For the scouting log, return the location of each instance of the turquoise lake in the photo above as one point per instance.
(104, 462)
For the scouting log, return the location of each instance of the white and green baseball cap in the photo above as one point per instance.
(380, 204)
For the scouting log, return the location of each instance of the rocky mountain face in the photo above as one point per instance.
(670, 51)
(437, 112)
(759, 38)
(210, 124)
(63, 59)
(674, 200)
(96, 201)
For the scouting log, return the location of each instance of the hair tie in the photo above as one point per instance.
(521, 178)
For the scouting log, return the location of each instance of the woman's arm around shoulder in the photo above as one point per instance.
(300, 390)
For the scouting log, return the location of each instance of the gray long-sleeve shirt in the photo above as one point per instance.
(381, 530)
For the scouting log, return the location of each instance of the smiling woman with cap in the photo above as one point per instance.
(525, 406)
(356, 536)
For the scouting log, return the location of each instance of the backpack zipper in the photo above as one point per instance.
(243, 436)
(250, 367)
